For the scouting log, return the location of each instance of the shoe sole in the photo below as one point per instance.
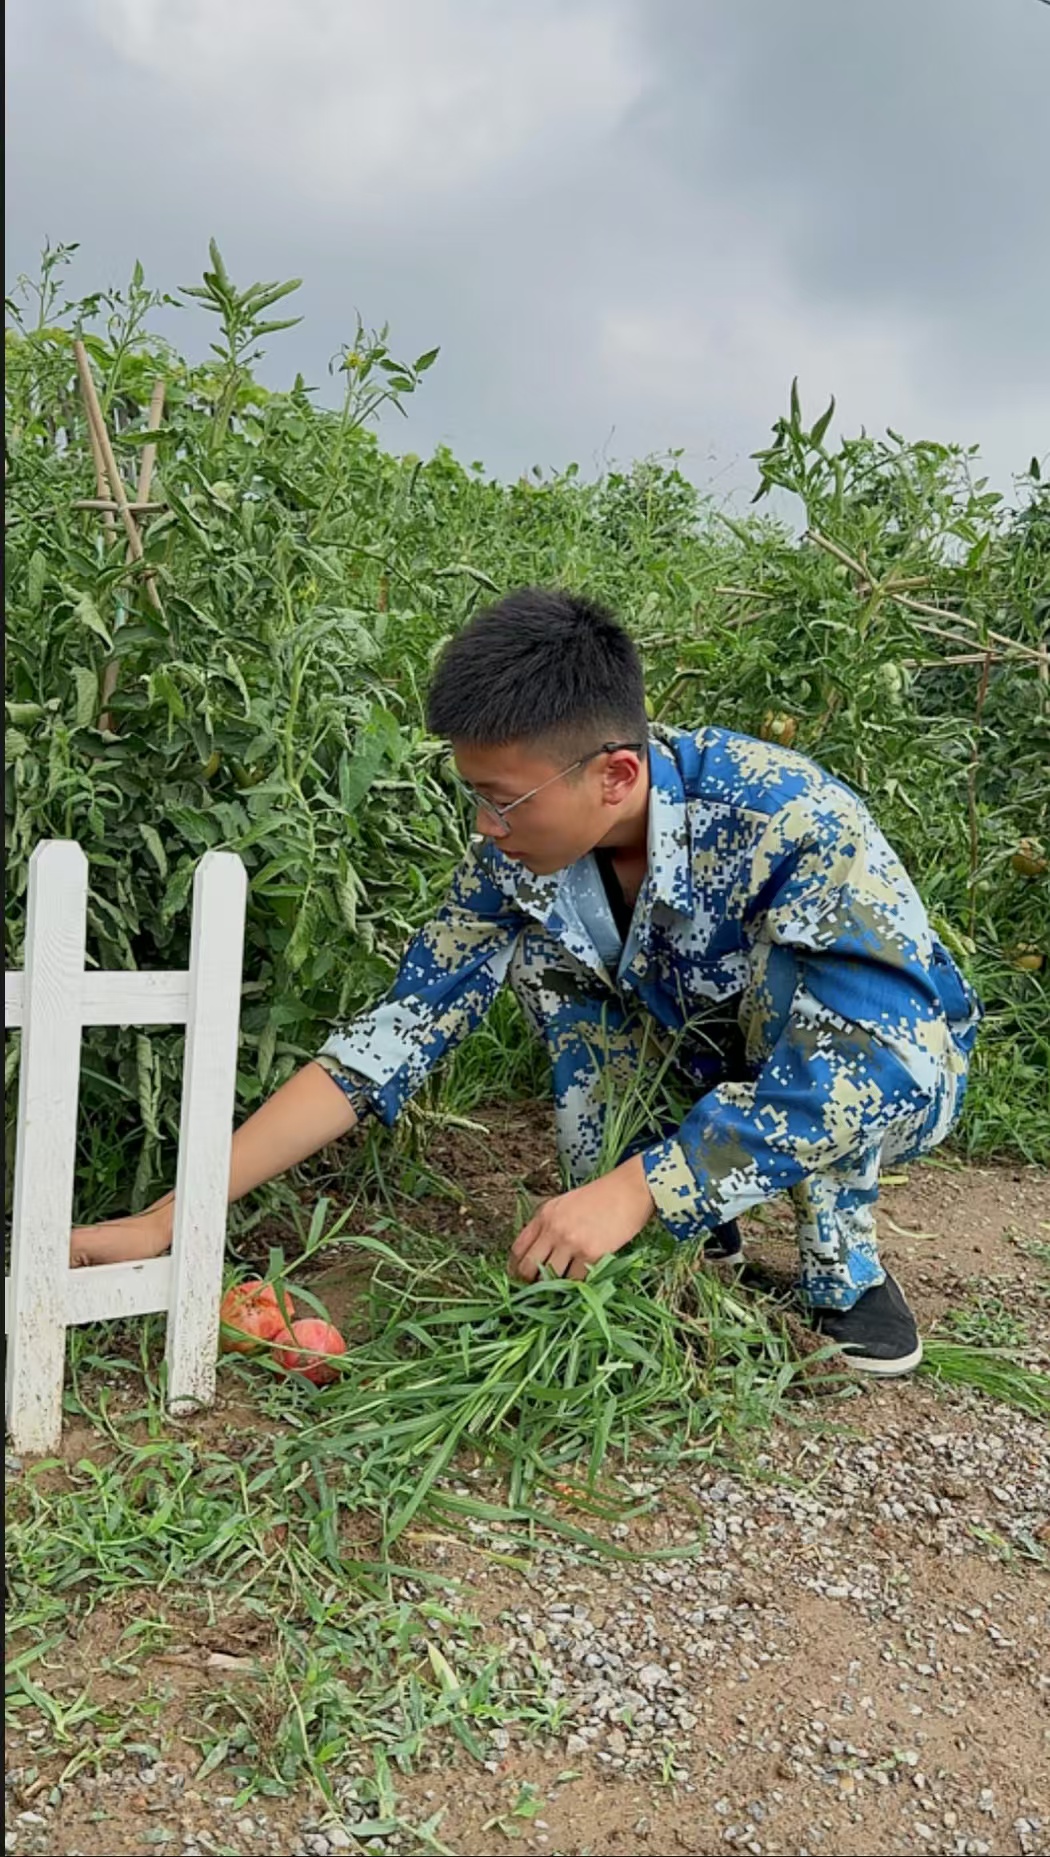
(882, 1369)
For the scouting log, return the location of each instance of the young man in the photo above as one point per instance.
(646, 891)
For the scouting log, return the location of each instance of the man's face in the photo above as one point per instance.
(563, 821)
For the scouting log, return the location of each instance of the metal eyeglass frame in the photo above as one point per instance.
(480, 804)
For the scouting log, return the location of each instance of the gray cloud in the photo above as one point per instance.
(627, 222)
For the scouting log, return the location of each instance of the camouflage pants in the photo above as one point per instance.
(613, 1068)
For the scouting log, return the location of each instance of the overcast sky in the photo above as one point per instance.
(627, 223)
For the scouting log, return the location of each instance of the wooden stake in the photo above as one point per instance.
(105, 501)
(149, 452)
(116, 482)
(146, 463)
(888, 589)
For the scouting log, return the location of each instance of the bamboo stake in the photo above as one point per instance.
(116, 482)
(107, 503)
(103, 500)
(935, 664)
(146, 464)
(149, 452)
(889, 590)
(1007, 645)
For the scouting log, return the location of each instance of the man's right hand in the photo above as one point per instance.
(121, 1241)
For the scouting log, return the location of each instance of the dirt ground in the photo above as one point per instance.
(858, 1662)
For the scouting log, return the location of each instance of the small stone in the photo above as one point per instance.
(246, 1827)
(650, 1676)
(339, 1838)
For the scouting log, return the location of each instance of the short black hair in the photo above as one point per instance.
(540, 665)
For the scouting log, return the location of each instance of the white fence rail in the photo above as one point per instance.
(52, 1000)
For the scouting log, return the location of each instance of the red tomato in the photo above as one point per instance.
(253, 1310)
(319, 1338)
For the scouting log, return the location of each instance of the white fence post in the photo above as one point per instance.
(52, 999)
(48, 1088)
(206, 1130)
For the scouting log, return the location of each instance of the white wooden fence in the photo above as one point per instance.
(52, 999)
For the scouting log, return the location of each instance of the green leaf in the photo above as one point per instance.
(267, 1047)
(163, 688)
(266, 294)
(87, 614)
(271, 328)
(349, 890)
(177, 893)
(213, 1759)
(36, 577)
(822, 423)
(372, 752)
(426, 361)
(449, 1683)
(155, 847)
(472, 573)
(197, 827)
(86, 682)
(233, 671)
(302, 934)
(219, 268)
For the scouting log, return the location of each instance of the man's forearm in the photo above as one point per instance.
(305, 1114)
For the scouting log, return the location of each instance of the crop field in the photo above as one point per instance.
(572, 1567)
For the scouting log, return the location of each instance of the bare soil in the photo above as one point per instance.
(858, 1663)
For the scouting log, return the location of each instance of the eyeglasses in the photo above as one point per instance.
(500, 813)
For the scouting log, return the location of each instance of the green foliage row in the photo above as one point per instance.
(306, 579)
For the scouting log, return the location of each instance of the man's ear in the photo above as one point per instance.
(620, 776)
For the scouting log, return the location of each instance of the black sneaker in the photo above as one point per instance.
(878, 1335)
(723, 1244)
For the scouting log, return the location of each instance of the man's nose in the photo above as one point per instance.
(489, 824)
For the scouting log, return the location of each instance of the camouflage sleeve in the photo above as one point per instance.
(448, 979)
(856, 1033)
(355, 1088)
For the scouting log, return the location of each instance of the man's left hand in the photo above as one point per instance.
(571, 1232)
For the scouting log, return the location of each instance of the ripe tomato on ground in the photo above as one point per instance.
(253, 1310)
(318, 1338)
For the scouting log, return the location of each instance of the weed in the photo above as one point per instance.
(986, 1322)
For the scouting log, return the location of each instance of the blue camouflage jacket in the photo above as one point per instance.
(771, 892)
